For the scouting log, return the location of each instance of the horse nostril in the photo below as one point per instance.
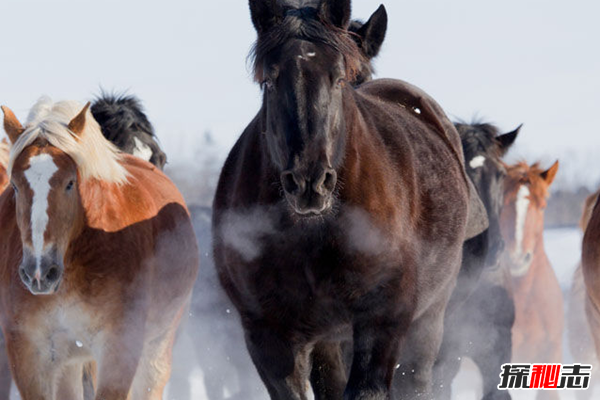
(528, 258)
(330, 180)
(288, 180)
(53, 274)
(24, 277)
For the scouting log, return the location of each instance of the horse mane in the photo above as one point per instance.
(522, 173)
(4, 153)
(96, 157)
(117, 115)
(478, 136)
(304, 23)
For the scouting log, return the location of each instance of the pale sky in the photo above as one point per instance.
(513, 61)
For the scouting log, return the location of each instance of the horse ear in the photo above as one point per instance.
(265, 14)
(12, 126)
(550, 173)
(506, 140)
(373, 32)
(77, 124)
(336, 12)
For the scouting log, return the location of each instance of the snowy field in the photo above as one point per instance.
(563, 249)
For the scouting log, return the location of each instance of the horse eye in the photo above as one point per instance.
(69, 186)
(14, 187)
(267, 83)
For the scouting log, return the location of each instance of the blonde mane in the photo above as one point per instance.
(96, 157)
(4, 153)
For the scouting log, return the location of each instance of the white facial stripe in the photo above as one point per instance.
(40, 171)
(522, 206)
(477, 162)
(142, 150)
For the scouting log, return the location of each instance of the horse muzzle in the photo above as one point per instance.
(43, 277)
(309, 197)
(519, 265)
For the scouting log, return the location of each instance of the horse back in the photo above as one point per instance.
(427, 126)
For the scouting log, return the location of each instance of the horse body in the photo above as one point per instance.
(119, 289)
(538, 328)
(581, 341)
(380, 269)
(590, 262)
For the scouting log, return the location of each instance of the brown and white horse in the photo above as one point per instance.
(537, 332)
(97, 260)
(581, 342)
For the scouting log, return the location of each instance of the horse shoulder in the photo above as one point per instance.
(112, 207)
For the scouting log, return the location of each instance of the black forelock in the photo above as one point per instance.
(122, 118)
(304, 23)
(478, 137)
(119, 114)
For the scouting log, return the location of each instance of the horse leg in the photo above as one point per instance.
(70, 385)
(328, 375)
(414, 376)
(449, 358)
(33, 373)
(155, 368)
(118, 363)
(283, 369)
(5, 377)
(89, 381)
(491, 336)
(376, 349)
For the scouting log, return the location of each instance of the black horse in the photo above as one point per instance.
(221, 353)
(124, 123)
(340, 214)
(480, 316)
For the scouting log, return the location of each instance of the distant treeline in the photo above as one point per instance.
(565, 207)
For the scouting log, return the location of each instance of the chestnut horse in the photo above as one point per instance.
(97, 261)
(581, 342)
(123, 122)
(538, 328)
(340, 214)
(590, 262)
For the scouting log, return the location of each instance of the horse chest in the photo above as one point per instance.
(66, 330)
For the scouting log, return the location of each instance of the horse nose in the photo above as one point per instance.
(40, 280)
(325, 184)
(292, 183)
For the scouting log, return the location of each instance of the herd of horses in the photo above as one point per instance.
(367, 243)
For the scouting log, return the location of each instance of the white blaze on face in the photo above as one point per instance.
(522, 206)
(142, 150)
(40, 171)
(477, 162)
